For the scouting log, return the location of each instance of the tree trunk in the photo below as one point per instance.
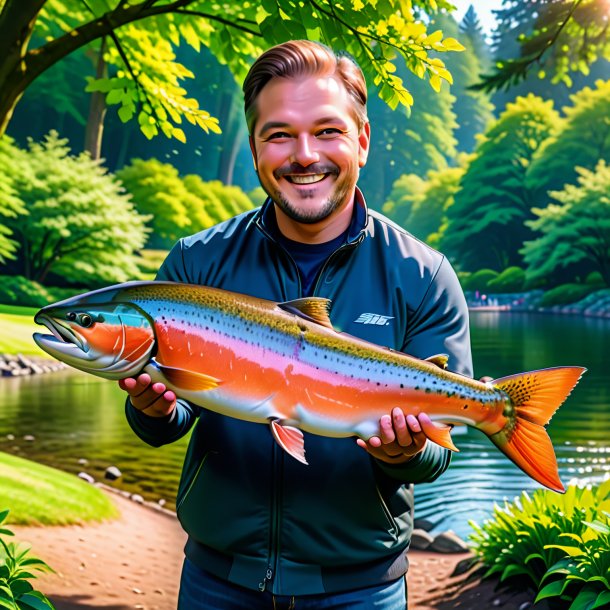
(97, 110)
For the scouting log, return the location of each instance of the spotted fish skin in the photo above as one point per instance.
(284, 365)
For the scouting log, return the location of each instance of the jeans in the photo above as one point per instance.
(200, 590)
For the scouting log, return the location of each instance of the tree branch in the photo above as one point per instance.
(220, 20)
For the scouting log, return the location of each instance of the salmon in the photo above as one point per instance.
(283, 364)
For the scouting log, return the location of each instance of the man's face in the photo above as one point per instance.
(306, 146)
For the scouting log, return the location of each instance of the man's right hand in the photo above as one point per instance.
(153, 399)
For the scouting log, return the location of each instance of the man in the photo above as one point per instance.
(264, 530)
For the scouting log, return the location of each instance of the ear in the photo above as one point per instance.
(253, 151)
(364, 140)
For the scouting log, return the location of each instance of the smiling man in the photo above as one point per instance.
(265, 531)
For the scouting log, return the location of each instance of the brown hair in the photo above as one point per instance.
(303, 58)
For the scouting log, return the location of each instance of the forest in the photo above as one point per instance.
(125, 131)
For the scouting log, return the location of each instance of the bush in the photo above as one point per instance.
(16, 567)
(566, 294)
(17, 290)
(511, 279)
(561, 543)
(595, 279)
(479, 280)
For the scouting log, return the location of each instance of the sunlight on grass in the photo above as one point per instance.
(16, 329)
(39, 495)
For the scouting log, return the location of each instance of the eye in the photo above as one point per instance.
(329, 132)
(71, 316)
(85, 320)
(278, 135)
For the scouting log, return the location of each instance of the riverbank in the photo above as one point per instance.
(135, 562)
(595, 305)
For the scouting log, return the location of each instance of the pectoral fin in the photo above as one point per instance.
(439, 433)
(290, 439)
(188, 380)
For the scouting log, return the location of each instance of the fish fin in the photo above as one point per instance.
(535, 396)
(290, 439)
(315, 309)
(439, 359)
(440, 434)
(188, 380)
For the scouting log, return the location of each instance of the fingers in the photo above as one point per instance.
(151, 399)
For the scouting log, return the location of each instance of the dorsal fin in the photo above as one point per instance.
(439, 359)
(315, 309)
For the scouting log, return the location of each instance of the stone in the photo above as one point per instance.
(463, 566)
(421, 540)
(10, 437)
(30, 438)
(137, 498)
(525, 606)
(86, 477)
(83, 462)
(448, 542)
(423, 524)
(112, 473)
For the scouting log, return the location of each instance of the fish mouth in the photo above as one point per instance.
(63, 338)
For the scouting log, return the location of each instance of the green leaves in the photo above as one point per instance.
(528, 538)
(16, 592)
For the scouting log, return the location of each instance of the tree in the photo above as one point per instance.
(582, 139)
(11, 206)
(78, 224)
(485, 227)
(576, 231)
(475, 39)
(146, 80)
(566, 36)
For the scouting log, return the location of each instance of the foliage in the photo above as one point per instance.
(567, 36)
(486, 222)
(177, 205)
(420, 206)
(479, 280)
(566, 294)
(559, 543)
(582, 139)
(511, 279)
(147, 81)
(79, 223)
(18, 290)
(11, 206)
(575, 234)
(16, 567)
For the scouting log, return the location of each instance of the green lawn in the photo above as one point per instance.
(16, 328)
(39, 495)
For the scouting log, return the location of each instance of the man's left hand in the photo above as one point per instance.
(400, 437)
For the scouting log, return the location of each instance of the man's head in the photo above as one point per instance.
(302, 58)
(309, 135)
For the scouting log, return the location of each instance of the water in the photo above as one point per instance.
(74, 416)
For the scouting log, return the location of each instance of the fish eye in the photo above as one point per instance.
(84, 319)
(71, 316)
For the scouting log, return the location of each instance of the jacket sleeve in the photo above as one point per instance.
(157, 431)
(438, 326)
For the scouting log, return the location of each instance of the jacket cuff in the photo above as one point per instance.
(424, 467)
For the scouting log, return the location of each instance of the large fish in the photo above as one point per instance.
(284, 365)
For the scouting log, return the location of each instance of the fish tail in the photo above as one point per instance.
(535, 397)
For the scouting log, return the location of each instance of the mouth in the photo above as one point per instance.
(305, 178)
(62, 336)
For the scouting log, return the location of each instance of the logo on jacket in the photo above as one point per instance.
(373, 318)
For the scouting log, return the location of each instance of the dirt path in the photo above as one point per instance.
(135, 562)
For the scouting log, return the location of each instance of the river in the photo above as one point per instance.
(75, 417)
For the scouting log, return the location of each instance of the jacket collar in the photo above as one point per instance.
(265, 219)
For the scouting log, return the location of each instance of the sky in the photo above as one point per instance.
(483, 9)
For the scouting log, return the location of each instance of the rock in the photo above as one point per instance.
(29, 438)
(463, 566)
(448, 542)
(421, 540)
(112, 473)
(161, 502)
(525, 605)
(83, 462)
(86, 477)
(10, 437)
(423, 524)
(137, 498)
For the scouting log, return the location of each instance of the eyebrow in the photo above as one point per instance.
(280, 124)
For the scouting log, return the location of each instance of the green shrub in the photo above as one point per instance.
(17, 290)
(150, 261)
(16, 567)
(511, 279)
(595, 279)
(479, 280)
(566, 294)
(560, 543)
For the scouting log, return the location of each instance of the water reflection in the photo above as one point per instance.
(74, 416)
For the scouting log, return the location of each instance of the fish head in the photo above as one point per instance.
(98, 334)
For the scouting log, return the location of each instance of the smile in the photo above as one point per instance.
(309, 179)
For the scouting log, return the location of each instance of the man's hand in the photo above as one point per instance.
(154, 399)
(400, 437)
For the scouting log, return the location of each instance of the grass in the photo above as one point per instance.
(16, 328)
(39, 495)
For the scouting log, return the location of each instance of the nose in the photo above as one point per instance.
(305, 150)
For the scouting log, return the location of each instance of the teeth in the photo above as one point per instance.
(307, 179)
